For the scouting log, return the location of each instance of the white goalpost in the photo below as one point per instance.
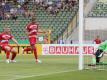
(81, 27)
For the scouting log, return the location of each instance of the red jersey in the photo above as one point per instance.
(97, 41)
(4, 38)
(32, 28)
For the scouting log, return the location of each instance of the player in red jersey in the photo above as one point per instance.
(5, 36)
(97, 40)
(32, 30)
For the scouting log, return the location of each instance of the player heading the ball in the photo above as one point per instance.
(31, 31)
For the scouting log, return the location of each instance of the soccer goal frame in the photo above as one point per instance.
(81, 28)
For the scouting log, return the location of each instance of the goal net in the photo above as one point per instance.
(94, 31)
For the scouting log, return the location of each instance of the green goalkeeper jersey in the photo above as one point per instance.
(103, 46)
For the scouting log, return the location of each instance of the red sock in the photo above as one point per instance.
(13, 56)
(28, 49)
(35, 54)
(7, 55)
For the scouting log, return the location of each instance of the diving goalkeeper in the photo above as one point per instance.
(102, 49)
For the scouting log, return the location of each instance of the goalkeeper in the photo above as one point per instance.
(102, 49)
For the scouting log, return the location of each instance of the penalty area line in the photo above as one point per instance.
(21, 77)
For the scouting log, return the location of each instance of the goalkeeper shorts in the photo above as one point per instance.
(98, 52)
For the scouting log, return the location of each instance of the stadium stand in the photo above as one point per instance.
(99, 10)
(57, 22)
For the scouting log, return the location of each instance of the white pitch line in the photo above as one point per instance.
(21, 77)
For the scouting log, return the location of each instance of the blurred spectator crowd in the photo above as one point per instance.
(10, 9)
(54, 6)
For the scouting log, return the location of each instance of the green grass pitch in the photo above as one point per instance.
(51, 68)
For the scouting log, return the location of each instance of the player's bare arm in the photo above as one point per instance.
(15, 41)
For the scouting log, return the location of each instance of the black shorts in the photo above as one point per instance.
(98, 52)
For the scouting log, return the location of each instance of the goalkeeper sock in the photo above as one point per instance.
(105, 63)
(93, 60)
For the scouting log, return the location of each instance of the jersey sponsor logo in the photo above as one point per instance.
(32, 36)
(33, 26)
(6, 37)
(33, 31)
(2, 41)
